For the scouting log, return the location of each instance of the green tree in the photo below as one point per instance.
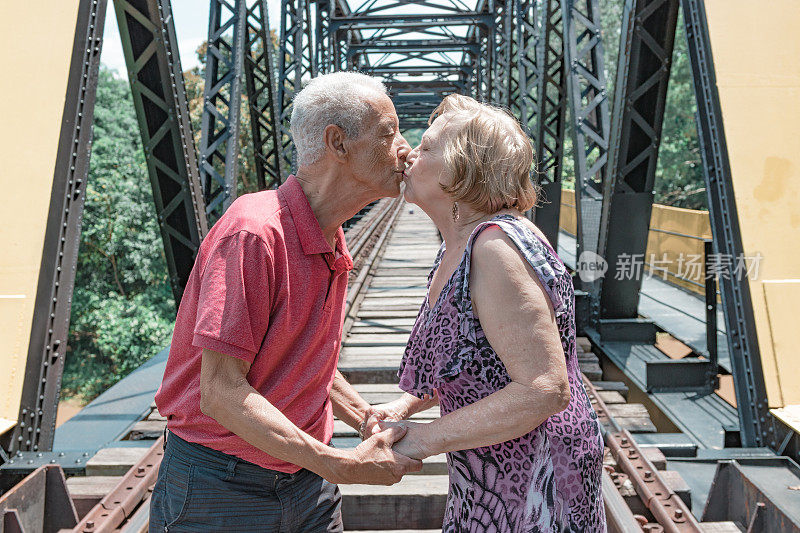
(122, 309)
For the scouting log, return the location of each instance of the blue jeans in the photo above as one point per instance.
(200, 489)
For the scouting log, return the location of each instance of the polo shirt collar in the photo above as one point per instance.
(311, 237)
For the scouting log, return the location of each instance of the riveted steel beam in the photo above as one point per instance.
(48, 339)
(151, 55)
(222, 95)
(756, 424)
(645, 58)
(259, 70)
(589, 109)
(550, 118)
(296, 63)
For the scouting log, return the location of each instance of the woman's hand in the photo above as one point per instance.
(413, 444)
(394, 411)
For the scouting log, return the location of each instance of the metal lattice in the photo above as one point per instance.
(295, 64)
(648, 36)
(589, 109)
(222, 95)
(148, 42)
(259, 69)
(550, 117)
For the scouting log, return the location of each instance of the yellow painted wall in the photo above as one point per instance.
(755, 54)
(679, 252)
(567, 218)
(35, 59)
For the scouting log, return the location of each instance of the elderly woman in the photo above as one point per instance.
(494, 341)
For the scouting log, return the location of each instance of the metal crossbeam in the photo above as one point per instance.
(150, 47)
(645, 57)
(588, 104)
(222, 94)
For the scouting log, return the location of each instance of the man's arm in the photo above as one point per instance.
(227, 397)
(348, 405)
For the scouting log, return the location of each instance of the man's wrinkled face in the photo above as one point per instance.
(379, 153)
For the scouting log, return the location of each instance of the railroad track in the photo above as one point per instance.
(393, 246)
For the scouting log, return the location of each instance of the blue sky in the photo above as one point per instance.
(191, 27)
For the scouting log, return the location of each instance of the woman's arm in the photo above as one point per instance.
(519, 322)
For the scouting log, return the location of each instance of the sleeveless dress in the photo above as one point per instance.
(547, 480)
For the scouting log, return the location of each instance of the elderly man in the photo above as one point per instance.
(251, 384)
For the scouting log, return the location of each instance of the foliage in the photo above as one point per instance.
(122, 307)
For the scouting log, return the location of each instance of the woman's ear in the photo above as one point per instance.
(334, 137)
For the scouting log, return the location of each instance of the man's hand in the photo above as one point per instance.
(413, 444)
(374, 463)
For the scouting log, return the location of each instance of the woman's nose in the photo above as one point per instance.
(411, 156)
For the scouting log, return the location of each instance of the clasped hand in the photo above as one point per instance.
(382, 417)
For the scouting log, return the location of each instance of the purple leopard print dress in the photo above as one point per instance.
(547, 480)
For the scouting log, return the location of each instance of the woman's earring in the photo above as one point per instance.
(455, 211)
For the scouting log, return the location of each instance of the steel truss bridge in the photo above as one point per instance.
(542, 59)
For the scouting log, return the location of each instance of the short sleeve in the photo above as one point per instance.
(233, 307)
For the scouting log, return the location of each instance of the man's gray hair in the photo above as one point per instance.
(340, 98)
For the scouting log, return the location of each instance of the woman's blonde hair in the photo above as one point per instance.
(491, 158)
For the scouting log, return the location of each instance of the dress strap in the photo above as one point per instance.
(547, 266)
(436, 262)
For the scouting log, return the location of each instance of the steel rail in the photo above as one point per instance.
(363, 272)
(619, 518)
(121, 503)
(667, 508)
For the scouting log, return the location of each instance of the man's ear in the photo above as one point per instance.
(333, 136)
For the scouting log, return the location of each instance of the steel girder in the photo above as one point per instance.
(414, 53)
(523, 91)
(48, 340)
(238, 40)
(645, 57)
(756, 424)
(550, 115)
(296, 62)
(259, 70)
(501, 38)
(589, 109)
(149, 44)
(222, 94)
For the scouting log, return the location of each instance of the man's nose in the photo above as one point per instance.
(404, 149)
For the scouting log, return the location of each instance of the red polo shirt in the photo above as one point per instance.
(266, 288)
